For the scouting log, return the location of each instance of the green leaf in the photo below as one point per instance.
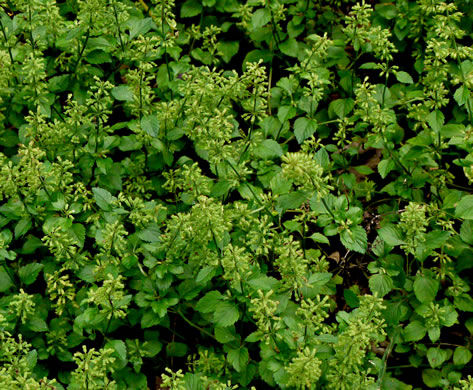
(414, 331)
(209, 302)
(122, 93)
(191, 8)
(149, 319)
(436, 357)
(386, 166)
(150, 234)
(238, 358)
(461, 356)
(30, 272)
(355, 239)
(23, 226)
(387, 11)
(436, 120)
(37, 324)
(425, 288)
(292, 200)
(290, 47)
(341, 107)
(391, 235)
(269, 149)
(228, 49)
(103, 198)
(176, 349)
(432, 378)
(318, 237)
(120, 348)
(5, 281)
(98, 57)
(260, 18)
(225, 314)
(150, 125)
(77, 231)
(404, 77)
(264, 283)
(381, 284)
(463, 302)
(139, 26)
(466, 232)
(304, 128)
(464, 208)
(225, 335)
(351, 298)
(364, 170)
(205, 274)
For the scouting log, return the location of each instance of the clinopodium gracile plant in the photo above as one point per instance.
(223, 194)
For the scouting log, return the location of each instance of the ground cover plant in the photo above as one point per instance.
(213, 194)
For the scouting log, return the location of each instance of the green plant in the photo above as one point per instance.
(210, 194)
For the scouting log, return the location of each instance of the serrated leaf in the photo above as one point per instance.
(381, 284)
(385, 166)
(77, 231)
(122, 93)
(404, 77)
(225, 314)
(461, 356)
(461, 95)
(37, 324)
(293, 200)
(150, 234)
(228, 49)
(5, 280)
(463, 302)
(355, 239)
(269, 149)
(391, 235)
(98, 57)
(139, 26)
(318, 237)
(290, 47)
(425, 288)
(208, 303)
(30, 272)
(225, 335)
(436, 120)
(304, 128)
(176, 349)
(120, 348)
(191, 8)
(260, 18)
(103, 198)
(464, 207)
(23, 226)
(238, 358)
(264, 283)
(466, 232)
(432, 378)
(150, 125)
(414, 331)
(436, 357)
(341, 107)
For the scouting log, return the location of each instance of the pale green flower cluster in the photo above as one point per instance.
(17, 362)
(110, 297)
(305, 173)
(93, 368)
(414, 224)
(304, 369)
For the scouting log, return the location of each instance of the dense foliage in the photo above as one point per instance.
(221, 194)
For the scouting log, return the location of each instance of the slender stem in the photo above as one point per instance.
(87, 35)
(192, 324)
